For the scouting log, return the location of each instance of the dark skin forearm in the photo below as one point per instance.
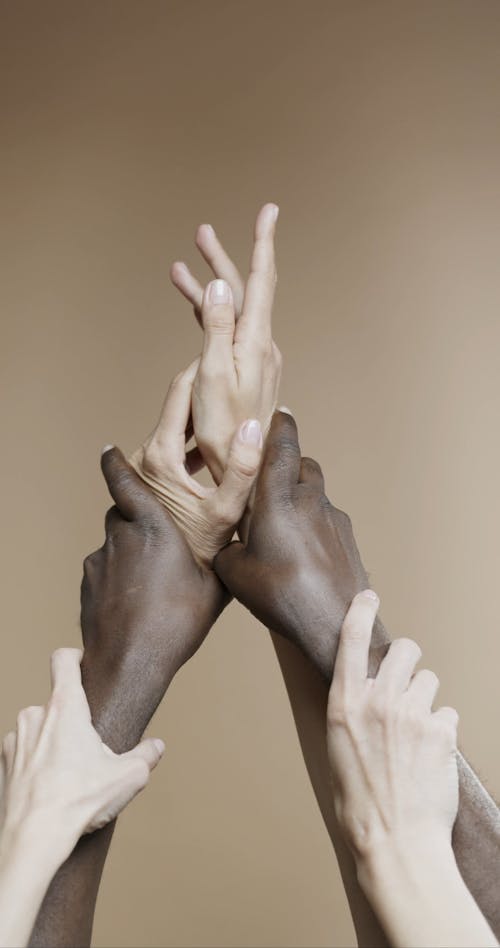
(298, 571)
(308, 695)
(67, 913)
(146, 608)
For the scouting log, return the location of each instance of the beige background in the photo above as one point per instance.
(376, 127)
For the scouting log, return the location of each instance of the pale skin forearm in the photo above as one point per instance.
(476, 836)
(66, 917)
(420, 897)
(29, 857)
(308, 695)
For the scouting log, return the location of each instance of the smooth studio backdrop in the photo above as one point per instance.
(376, 128)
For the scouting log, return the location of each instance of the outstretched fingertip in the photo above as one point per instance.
(266, 218)
(178, 269)
(204, 232)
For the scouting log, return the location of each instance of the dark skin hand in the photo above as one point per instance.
(297, 573)
(146, 608)
(300, 566)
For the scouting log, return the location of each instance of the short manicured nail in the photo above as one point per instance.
(107, 447)
(219, 292)
(370, 594)
(251, 432)
(285, 410)
(160, 746)
(275, 211)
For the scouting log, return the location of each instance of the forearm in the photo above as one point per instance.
(308, 695)
(420, 897)
(120, 714)
(476, 837)
(29, 857)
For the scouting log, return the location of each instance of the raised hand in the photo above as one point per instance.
(58, 780)
(57, 772)
(393, 759)
(207, 516)
(300, 566)
(146, 605)
(395, 781)
(239, 372)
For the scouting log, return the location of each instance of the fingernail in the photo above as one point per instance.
(219, 292)
(370, 594)
(160, 746)
(275, 211)
(285, 410)
(251, 432)
(107, 447)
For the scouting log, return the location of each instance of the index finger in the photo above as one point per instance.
(254, 323)
(351, 664)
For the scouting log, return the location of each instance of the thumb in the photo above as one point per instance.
(150, 750)
(130, 774)
(128, 491)
(241, 470)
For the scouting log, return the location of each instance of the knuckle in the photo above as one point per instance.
(22, 718)
(432, 678)
(312, 466)
(245, 469)
(353, 630)
(89, 563)
(8, 742)
(341, 711)
(219, 321)
(413, 718)
(140, 772)
(260, 347)
(176, 381)
(341, 519)
(33, 710)
(277, 356)
(58, 656)
(228, 514)
(382, 708)
(287, 445)
(212, 371)
(407, 647)
(152, 462)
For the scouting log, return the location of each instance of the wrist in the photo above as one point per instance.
(45, 839)
(412, 864)
(415, 888)
(123, 695)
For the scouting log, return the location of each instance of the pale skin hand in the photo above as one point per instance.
(206, 515)
(393, 759)
(58, 780)
(395, 786)
(239, 373)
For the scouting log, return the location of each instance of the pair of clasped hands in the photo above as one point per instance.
(170, 565)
